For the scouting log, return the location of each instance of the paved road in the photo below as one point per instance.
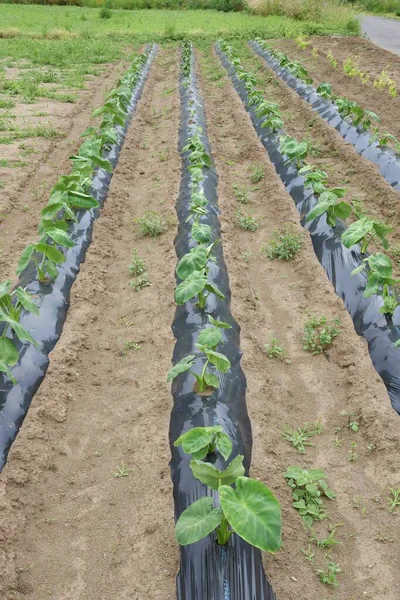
(383, 32)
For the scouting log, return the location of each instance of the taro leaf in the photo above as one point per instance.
(220, 324)
(381, 263)
(213, 477)
(253, 513)
(210, 337)
(183, 365)
(5, 369)
(195, 260)
(51, 253)
(26, 300)
(25, 258)
(190, 287)
(102, 163)
(8, 352)
(211, 380)
(60, 237)
(5, 287)
(201, 232)
(218, 359)
(373, 285)
(356, 231)
(197, 438)
(197, 521)
(46, 224)
(20, 331)
(51, 269)
(214, 290)
(318, 210)
(224, 444)
(342, 210)
(381, 230)
(81, 200)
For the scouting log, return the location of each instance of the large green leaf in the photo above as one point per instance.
(253, 513)
(342, 210)
(51, 253)
(208, 474)
(81, 200)
(373, 285)
(224, 444)
(26, 300)
(214, 290)
(60, 237)
(190, 287)
(356, 231)
(197, 438)
(5, 287)
(381, 263)
(8, 352)
(195, 260)
(25, 258)
(212, 381)
(4, 368)
(210, 337)
(20, 331)
(201, 232)
(318, 210)
(197, 521)
(218, 323)
(183, 365)
(218, 359)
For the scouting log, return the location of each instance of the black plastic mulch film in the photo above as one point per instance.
(208, 571)
(337, 260)
(53, 299)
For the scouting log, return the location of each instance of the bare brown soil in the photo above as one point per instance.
(345, 168)
(25, 189)
(371, 60)
(271, 298)
(69, 528)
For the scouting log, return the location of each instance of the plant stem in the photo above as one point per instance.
(223, 532)
(202, 383)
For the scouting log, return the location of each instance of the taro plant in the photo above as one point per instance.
(359, 115)
(207, 342)
(248, 509)
(202, 441)
(295, 151)
(328, 203)
(314, 178)
(308, 491)
(380, 281)
(363, 231)
(11, 304)
(325, 90)
(193, 269)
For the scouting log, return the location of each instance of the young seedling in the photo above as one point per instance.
(328, 575)
(295, 151)
(274, 349)
(332, 59)
(299, 437)
(207, 343)
(202, 441)
(325, 90)
(247, 221)
(246, 255)
(364, 231)
(328, 203)
(140, 282)
(193, 269)
(314, 177)
(330, 541)
(384, 81)
(394, 498)
(12, 302)
(353, 420)
(352, 454)
(319, 333)
(121, 471)
(129, 345)
(379, 280)
(285, 243)
(309, 554)
(309, 489)
(151, 224)
(242, 194)
(257, 173)
(302, 43)
(249, 502)
(137, 266)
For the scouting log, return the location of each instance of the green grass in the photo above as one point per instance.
(89, 30)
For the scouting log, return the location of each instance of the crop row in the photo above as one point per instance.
(33, 311)
(364, 230)
(209, 391)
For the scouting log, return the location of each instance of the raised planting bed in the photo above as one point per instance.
(327, 230)
(208, 383)
(33, 311)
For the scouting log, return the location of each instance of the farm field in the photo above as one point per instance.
(201, 298)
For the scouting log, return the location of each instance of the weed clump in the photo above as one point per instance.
(284, 244)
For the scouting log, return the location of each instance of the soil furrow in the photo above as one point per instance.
(272, 298)
(87, 510)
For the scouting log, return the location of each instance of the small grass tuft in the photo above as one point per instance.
(247, 221)
(285, 243)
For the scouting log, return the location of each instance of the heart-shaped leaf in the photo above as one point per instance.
(197, 521)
